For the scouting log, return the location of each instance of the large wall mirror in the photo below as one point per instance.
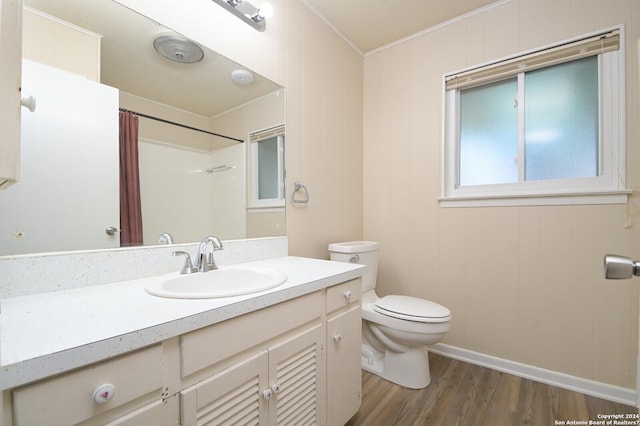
(85, 60)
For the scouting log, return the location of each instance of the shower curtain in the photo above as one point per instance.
(130, 205)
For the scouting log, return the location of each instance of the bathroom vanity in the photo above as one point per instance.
(113, 354)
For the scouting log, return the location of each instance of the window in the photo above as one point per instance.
(266, 157)
(546, 127)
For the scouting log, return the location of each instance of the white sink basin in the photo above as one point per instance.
(224, 282)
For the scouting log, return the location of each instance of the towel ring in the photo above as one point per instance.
(297, 186)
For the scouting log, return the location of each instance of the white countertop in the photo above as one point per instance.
(49, 333)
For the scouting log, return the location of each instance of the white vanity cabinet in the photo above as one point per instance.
(232, 396)
(124, 385)
(292, 362)
(158, 413)
(344, 337)
(279, 385)
(278, 376)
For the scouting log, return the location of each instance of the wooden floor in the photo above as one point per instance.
(469, 395)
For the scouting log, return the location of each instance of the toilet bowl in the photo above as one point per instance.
(395, 329)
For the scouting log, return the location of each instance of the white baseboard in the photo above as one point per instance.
(550, 377)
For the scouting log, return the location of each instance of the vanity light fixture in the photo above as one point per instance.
(254, 16)
(265, 12)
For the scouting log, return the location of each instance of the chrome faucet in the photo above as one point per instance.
(187, 268)
(204, 257)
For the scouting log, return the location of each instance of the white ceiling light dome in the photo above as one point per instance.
(242, 76)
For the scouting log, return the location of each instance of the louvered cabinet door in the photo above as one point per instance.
(232, 397)
(296, 380)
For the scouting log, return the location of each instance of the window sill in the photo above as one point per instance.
(266, 209)
(614, 197)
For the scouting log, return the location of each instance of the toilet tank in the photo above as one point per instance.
(362, 252)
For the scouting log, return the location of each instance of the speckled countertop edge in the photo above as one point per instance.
(47, 334)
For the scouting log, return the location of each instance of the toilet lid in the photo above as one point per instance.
(412, 309)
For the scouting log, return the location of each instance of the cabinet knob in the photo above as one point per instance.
(337, 338)
(266, 394)
(275, 388)
(348, 294)
(104, 393)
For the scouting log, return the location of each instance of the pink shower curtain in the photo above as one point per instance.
(130, 206)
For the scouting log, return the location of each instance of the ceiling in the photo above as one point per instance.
(369, 24)
(205, 88)
(130, 63)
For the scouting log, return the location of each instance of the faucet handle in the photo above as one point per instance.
(188, 267)
(215, 242)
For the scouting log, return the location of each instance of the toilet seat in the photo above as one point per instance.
(412, 309)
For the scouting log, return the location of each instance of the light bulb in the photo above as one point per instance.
(265, 11)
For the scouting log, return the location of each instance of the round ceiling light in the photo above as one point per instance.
(242, 76)
(178, 49)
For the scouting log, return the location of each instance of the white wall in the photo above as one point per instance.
(227, 190)
(524, 284)
(172, 192)
(175, 190)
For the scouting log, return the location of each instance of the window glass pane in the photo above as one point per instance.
(489, 134)
(268, 168)
(561, 121)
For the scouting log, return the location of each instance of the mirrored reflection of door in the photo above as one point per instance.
(68, 192)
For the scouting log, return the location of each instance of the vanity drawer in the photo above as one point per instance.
(207, 346)
(343, 294)
(69, 398)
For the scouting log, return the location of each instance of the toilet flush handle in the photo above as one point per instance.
(355, 259)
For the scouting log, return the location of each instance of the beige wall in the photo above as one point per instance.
(48, 40)
(524, 284)
(323, 77)
(263, 113)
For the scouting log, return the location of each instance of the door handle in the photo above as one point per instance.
(620, 267)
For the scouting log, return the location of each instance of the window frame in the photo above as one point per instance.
(254, 202)
(606, 188)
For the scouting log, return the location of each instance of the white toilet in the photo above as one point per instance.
(395, 329)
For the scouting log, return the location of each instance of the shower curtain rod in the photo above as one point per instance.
(162, 120)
